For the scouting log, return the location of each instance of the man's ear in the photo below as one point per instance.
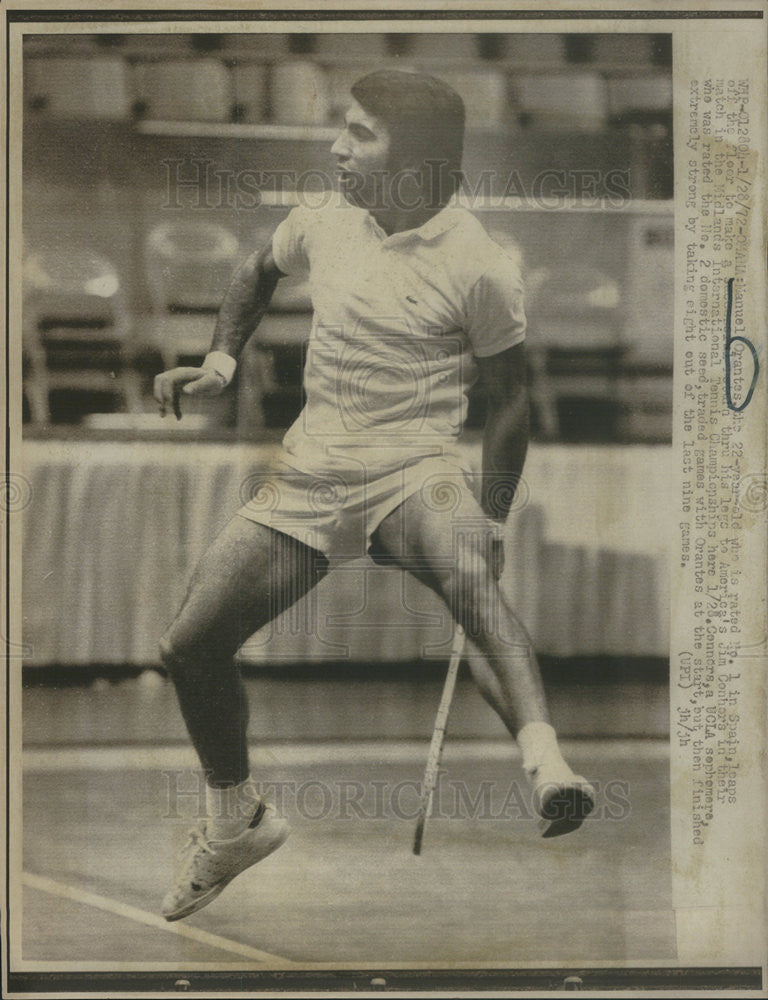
(415, 170)
(403, 162)
(412, 164)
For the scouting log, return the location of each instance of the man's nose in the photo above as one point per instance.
(340, 148)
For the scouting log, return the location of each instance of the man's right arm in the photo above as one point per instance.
(245, 302)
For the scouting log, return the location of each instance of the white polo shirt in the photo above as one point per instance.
(398, 321)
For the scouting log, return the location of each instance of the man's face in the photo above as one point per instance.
(362, 152)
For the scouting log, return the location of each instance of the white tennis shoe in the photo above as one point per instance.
(205, 867)
(562, 799)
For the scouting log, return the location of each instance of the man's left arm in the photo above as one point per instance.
(505, 440)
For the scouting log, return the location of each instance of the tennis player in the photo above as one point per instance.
(412, 302)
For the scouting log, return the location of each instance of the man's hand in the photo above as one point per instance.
(496, 555)
(191, 381)
(505, 438)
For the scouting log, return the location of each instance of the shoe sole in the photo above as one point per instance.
(215, 890)
(201, 901)
(565, 811)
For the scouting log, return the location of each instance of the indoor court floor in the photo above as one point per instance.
(100, 826)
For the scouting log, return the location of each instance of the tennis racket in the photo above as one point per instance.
(438, 738)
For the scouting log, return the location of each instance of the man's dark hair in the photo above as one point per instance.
(425, 118)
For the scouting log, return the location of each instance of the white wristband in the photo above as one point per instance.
(222, 364)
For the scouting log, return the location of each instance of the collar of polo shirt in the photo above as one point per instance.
(440, 223)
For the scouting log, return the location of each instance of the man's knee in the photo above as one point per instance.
(182, 659)
(174, 661)
(470, 590)
(199, 637)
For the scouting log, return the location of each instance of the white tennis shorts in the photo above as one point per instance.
(338, 512)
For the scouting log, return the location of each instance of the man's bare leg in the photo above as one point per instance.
(450, 555)
(450, 551)
(246, 578)
(248, 575)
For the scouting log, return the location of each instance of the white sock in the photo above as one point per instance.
(538, 742)
(230, 810)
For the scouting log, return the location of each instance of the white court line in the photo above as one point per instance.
(76, 895)
(126, 758)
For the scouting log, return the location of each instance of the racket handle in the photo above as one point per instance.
(419, 835)
(438, 738)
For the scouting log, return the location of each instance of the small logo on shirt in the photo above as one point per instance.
(412, 299)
